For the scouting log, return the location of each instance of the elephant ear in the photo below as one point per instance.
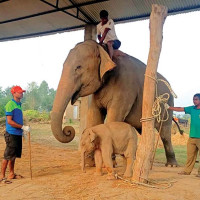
(106, 63)
(92, 135)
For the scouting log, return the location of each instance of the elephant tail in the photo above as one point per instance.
(180, 131)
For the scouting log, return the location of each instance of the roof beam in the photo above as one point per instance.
(2, 1)
(60, 30)
(53, 11)
(63, 10)
(80, 10)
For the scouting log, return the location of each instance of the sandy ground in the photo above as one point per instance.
(57, 175)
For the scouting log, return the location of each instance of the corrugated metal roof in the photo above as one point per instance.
(29, 18)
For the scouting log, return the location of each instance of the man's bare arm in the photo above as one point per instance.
(178, 109)
(13, 123)
(104, 35)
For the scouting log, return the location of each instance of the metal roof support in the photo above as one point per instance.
(79, 9)
(52, 11)
(57, 2)
(63, 10)
(2, 1)
(41, 33)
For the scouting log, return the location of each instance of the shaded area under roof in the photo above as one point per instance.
(30, 18)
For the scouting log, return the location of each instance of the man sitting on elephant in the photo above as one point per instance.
(106, 33)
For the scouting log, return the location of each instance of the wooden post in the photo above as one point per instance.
(90, 34)
(145, 148)
(30, 158)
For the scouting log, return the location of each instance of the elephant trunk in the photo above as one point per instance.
(62, 98)
(83, 161)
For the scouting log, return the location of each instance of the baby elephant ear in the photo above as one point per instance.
(92, 135)
(106, 63)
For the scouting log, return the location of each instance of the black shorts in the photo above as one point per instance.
(13, 146)
(116, 44)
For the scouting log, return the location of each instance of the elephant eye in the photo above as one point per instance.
(78, 67)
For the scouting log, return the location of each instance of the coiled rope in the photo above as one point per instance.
(159, 101)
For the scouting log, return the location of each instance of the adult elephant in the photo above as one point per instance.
(117, 89)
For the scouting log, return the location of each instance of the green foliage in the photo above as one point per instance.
(34, 114)
(38, 98)
(5, 96)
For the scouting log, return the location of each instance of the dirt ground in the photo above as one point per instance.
(57, 175)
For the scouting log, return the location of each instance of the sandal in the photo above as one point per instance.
(5, 181)
(17, 176)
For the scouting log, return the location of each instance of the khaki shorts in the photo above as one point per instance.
(13, 146)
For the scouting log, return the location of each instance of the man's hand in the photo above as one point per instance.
(26, 128)
(166, 106)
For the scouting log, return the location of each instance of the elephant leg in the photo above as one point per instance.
(129, 154)
(98, 161)
(95, 116)
(107, 159)
(115, 114)
(166, 139)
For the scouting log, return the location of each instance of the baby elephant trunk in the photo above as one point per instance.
(83, 161)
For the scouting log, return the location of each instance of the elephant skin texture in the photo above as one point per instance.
(107, 139)
(116, 87)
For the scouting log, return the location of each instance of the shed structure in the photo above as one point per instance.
(30, 18)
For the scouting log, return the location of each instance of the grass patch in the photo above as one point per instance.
(180, 152)
(41, 133)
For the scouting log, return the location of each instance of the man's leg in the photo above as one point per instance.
(3, 168)
(198, 146)
(11, 165)
(191, 155)
(110, 48)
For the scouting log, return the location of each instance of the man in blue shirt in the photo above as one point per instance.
(13, 135)
(193, 145)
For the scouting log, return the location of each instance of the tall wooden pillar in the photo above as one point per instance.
(144, 154)
(90, 34)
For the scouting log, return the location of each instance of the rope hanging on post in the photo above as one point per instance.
(162, 99)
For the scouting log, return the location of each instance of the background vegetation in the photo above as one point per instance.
(37, 101)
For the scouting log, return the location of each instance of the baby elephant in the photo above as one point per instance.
(106, 139)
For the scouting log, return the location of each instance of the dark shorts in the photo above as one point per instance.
(13, 146)
(116, 44)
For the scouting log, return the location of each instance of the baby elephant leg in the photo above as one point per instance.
(98, 161)
(129, 155)
(107, 160)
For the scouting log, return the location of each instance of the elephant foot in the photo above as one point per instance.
(89, 162)
(171, 163)
(111, 177)
(98, 174)
(127, 175)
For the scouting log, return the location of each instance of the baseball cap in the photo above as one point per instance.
(17, 89)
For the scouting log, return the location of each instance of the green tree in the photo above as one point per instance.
(31, 99)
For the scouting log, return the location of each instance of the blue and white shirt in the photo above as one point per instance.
(13, 109)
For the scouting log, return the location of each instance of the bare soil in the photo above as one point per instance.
(57, 175)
